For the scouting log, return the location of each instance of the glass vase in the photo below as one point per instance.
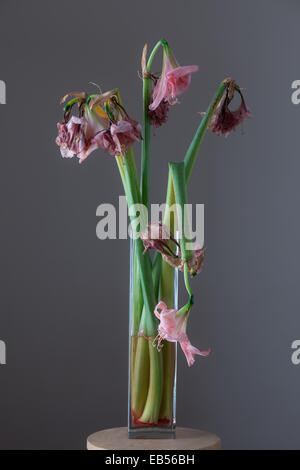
(152, 365)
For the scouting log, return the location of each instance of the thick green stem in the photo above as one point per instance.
(137, 296)
(155, 49)
(167, 274)
(152, 406)
(178, 173)
(145, 160)
(145, 266)
(140, 370)
(153, 401)
(160, 265)
(192, 152)
(169, 361)
(145, 157)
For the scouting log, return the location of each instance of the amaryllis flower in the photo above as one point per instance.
(172, 327)
(158, 237)
(94, 128)
(174, 80)
(224, 120)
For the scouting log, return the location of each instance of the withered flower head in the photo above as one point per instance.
(101, 123)
(224, 120)
(159, 115)
(158, 237)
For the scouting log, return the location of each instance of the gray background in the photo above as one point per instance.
(64, 293)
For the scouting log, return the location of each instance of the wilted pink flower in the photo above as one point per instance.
(159, 115)
(172, 327)
(174, 80)
(224, 120)
(79, 136)
(158, 237)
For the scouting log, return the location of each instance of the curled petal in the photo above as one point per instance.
(160, 306)
(179, 80)
(77, 94)
(190, 352)
(100, 99)
(159, 94)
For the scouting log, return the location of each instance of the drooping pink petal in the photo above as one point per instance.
(190, 352)
(179, 80)
(159, 93)
(174, 81)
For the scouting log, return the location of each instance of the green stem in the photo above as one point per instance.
(161, 42)
(133, 197)
(192, 152)
(187, 285)
(120, 163)
(178, 173)
(169, 221)
(186, 280)
(153, 401)
(145, 157)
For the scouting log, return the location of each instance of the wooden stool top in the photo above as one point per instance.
(186, 439)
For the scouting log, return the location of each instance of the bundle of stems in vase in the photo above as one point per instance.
(101, 121)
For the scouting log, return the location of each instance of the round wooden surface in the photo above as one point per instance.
(186, 439)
